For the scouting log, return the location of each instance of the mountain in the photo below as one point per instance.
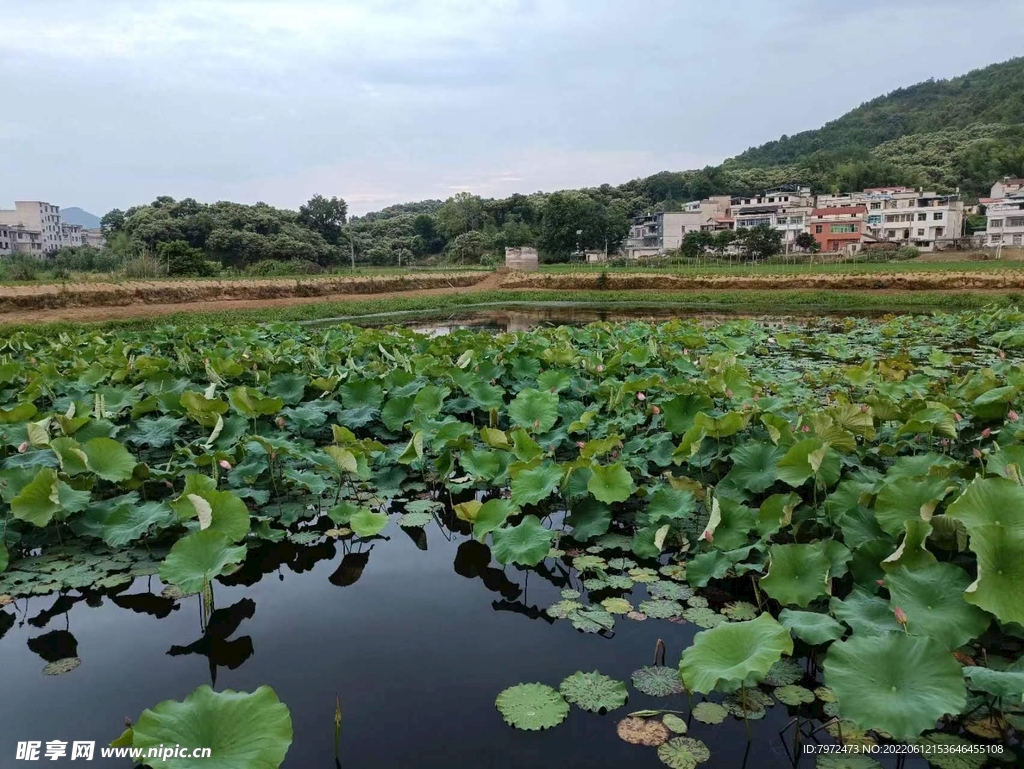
(73, 215)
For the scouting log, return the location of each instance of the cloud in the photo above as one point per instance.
(395, 100)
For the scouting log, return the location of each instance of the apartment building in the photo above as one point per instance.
(72, 235)
(1006, 222)
(36, 216)
(1006, 187)
(839, 228)
(15, 239)
(786, 209)
(904, 214)
(663, 231)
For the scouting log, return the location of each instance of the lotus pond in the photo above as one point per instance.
(621, 544)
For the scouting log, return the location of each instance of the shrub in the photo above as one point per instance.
(907, 252)
(269, 268)
(143, 267)
(183, 260)
(22, 269)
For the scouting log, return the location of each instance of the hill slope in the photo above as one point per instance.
(74, 215)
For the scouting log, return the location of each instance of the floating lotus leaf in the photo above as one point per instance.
(589, 519)
(367, 523)
(611, 483)
(675, 724)
(563, 609)
(932, 597)
(617, 605)
(569, 594)
(740, 611)
(988, 727)
(657, 681)
(592, 620)
(793, 695)
(532, 707)
(998, 683)
(683, 753)
(709, 712)
(704, 617)
(824, 761)
(636, 616)
(784, 672)
(847, 733)
(642, 731)
(242, 730)
(676, 571)
(615, 541)
(595, 583)
(621, 564)
(62, 666)
(618, 582)
(532, 486)
(643, 574)
(199, 558)
(988, 502)
(657, 608)
(594, 692)
(492, 514)
(673, 591)
(811, 627)
(589, 563)
(751, 704)
(526, 543)
(697, 602)
(414, 520)
(898, 683)
(735, 654)
(825, 694)
(999, 588)
(797, 574)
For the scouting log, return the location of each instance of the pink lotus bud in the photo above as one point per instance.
(655, 410)
(986, 432)
(863, 408)
(23, 447)
(728, 393)
(901, 616)
(224, 464)
(273, 455)
(600, 367)
(977, 454)
(805, 429)
(641, 397)
(168, 484)
(708, 536)
(686, 351)
(1013, 416)
(206, 361)
(280, 422)
(580, 444)
(957, 417)
(756, 397)
(880, 582)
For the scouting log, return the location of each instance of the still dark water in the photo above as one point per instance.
(416, 635)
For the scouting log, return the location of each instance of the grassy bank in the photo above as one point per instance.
(774, 302)
(781, 268)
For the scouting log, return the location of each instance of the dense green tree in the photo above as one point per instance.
(760, 242)
(467, 248)
(181, 259)
(461, 213)
(425, 226)
(806, 242)
(325, 216)
(697, 243)
(112, 221)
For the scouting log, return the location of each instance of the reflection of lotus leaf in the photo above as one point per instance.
(657, 608)
(657, 681)
(709, 712)
(683, 753)
(897, 683)
(532, 707)
(594, 692)
(734, 654)
(642, 731)
(241, 729)
(793, 695)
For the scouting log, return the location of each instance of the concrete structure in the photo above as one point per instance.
(522, 259)
(5, 240)
(72, 235)
(38, 216)
(1006, 187)
(905, 215)
(95, 238)
(1006, 222)
(839, 228)
(663, 231)
(785, 209)
(15, 239)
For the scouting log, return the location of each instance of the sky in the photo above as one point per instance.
(110, 103)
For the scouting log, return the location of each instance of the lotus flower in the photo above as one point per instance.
(655, 410)
(986, 432)
(977, 454)
(224, 464)
(805, 429)
(1013, 416)
(280, 422)
(957, 417)
(23, 447)
(600, 368)
(580, 444)
(901, 617)
(641, 397)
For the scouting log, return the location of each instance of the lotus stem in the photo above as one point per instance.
(659, 647)
(743, 704)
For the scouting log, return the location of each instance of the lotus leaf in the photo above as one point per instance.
(526, 543)
(999, 588)
(657, 608)
(492, 514)
(594, 692)
(611, 483)
(793, 696)
(534, 410)
(657, 681)
(806, 459)
(414, 520)
(908, 499)
(733, 655)
(531, 486)
(366, 523)
(253, 731)
(784, 672)
(998, 683)
(811, 627)
(709, 712)
(592, 620)
(826, 761)
(988, 502)
(932, 598)
(797, 574)
(532, 707)
(589, 519)
(199, 558)
(683, 753)
(704, 617)
(898, 683)
(642, 731)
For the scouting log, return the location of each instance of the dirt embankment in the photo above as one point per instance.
(18, 299)
(904, 281)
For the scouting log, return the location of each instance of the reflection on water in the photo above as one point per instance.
(415, 631)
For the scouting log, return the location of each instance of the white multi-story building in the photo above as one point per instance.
(1006, 222)
(72, 235)
(787, 209)
(16, 239)
(36, 216)
(914, 217)
(663, 231)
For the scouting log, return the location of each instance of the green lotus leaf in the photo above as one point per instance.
(905, 499)
(673, 591)
(594, 692)
(430, 399)
(366, 523)
(851, 761)
(675, 724)
(709, 713)
(534, 410)
(724, 426)
(526, 543)
(532, 707)
(705, 567)
(806, 459)
(776, 512)
(199, 558)
(811, 627)
(589, 519)
(5, 558)
(999, 588)
(242, 730)
(492, 514)
(414, 449)
(998, 683)
(73, 460)
(617, 606)
(733, 529)
(734, 654)
(611, 483)
(932, 597)
(748, 704)
(753, 466)
(250, 402)
(865, 614)
(227, 513)
(532, 486)
(563, 609)
(797, 574)
(484, 464)
(590, 619)
(793, 695)
(109, 459)
(20, 413)
(784, 672)
(39, 500)
(683, 753)
(155, 433)
(990, 501)
(680, 411)
(913, 552)
(657, 681)
(898, 683)
(121, 524)
(658, 608)
(414, 520)
(205, 411)
(667, 504)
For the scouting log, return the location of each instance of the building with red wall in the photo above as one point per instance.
(838, 227)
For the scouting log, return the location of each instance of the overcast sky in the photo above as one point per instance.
(109, 103)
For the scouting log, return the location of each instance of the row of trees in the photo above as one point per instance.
(756, 243)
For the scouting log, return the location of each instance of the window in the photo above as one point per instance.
(920, 233)
(940, 231)
(922, 217)
(781, 220)
(818, 229)
(796, 220)
(875, 206)
(996, 238)
(875, 219)
(1015, 221)
(843, 228)
(891, 218)
(995, 224)
(937, 216)
(1017, 239)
